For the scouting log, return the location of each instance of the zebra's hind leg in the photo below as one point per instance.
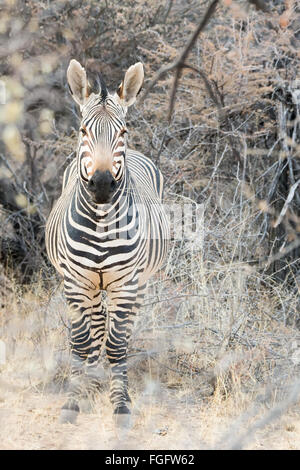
(87, 330)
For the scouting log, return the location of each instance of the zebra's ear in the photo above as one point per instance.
(131, 85)
(78, 83)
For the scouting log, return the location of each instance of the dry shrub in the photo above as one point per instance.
(243, 130)
(222, 317)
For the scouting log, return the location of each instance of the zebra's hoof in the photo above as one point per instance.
(69, 414)
(122, 417)
(86, 406)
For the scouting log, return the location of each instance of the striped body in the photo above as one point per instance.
(93, 246)
(114, 246)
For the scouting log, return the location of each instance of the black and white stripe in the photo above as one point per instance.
(114, 247)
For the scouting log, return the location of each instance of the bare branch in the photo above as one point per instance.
(286, 204)
(179, 64)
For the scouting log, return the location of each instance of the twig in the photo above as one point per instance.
(207, 84)
(169, 327)
(179, 64)
(292, 246)
(286, 204)
(168, 9)
(157, 161)
(8, 165)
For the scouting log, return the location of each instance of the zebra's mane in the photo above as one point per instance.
(97, 84)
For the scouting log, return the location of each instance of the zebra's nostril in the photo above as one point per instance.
(102, 182)
(92, 184)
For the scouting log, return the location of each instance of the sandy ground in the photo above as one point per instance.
(170, 411)
(29, 420)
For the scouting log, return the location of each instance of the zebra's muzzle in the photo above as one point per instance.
(101, 186)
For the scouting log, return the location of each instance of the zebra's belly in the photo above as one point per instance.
(102, 261)
(110, 253)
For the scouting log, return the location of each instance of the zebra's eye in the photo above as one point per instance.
(123, 131)
(83, 131)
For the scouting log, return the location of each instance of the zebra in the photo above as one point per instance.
(108, 231)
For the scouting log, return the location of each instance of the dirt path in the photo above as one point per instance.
(28, 420)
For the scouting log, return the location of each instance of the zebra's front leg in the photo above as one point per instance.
(87, 317)
(121, 305)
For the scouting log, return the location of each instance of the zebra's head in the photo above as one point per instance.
(102, 135)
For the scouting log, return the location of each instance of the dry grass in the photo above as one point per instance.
(204, 368)
(215, 353)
